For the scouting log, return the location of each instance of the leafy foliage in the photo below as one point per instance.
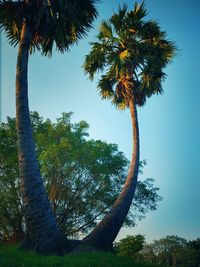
(130, 245)
(83, 177)
(59, 23)
(172, 251)
(132, 54)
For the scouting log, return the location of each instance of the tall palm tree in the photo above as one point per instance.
(39, 25)
(132, 54)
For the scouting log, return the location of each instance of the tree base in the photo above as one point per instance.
(59, 245)
(98, 245)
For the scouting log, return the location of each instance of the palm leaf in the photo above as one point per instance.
(117, 19)
(53, 23)
(123, 55)
(105, 87)
(139, 10)
(105, 30)
(134, 55)
(96, 60)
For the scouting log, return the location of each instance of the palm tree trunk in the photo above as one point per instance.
(42, 233)
(103, 236)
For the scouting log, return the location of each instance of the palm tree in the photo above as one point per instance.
(40, 25)
(132, 54)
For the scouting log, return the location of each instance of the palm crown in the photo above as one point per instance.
(133, 53)
(52, 22)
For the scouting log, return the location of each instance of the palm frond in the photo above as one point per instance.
(124, 55)
(117, 60)
(53, 23)
(117, 19)
(168, 51)
(96, 60)
(139, 10)
(150, 31)
(119, 103)
(105, 30)
(134, 55)
(105, 87)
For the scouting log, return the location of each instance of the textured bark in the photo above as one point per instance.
(103, 236)
(42, 234)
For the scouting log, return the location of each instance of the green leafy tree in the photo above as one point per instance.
(193, 253)
(81, 177)
(39, 25)
(130, 245)
(171, 251)
(132, 54)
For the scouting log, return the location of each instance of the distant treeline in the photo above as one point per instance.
(169, 251)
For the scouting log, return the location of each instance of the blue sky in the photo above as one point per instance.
(169, 124)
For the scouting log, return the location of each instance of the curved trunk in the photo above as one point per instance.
(42, 234)
(103, 236)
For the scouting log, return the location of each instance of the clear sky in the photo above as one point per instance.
(169, 124)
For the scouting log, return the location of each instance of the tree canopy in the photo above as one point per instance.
(82, 177)
(131, 53)
(129, 245)
(59, 23)
(172, 251)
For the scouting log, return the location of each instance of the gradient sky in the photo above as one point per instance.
(169, 124)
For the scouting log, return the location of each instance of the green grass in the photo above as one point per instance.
(12, 256)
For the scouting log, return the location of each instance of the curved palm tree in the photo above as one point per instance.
(132, 53)
(39, 25)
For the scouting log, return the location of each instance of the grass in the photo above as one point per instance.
(12, 256)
